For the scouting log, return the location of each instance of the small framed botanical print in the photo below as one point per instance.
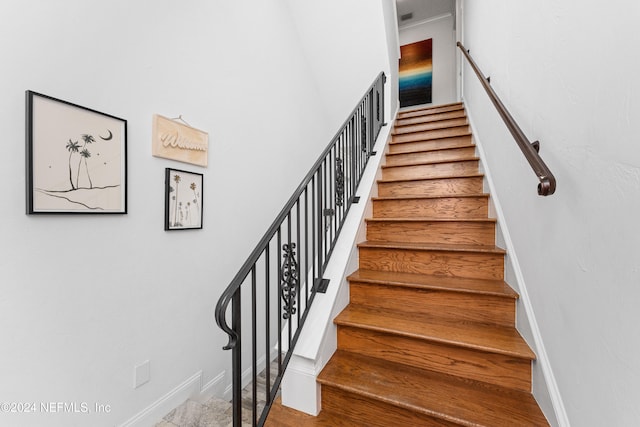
(183, 200)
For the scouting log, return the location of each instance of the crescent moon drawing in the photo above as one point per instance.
(107, 138)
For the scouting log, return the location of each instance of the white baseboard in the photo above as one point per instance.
(215, 387)
(191, 388)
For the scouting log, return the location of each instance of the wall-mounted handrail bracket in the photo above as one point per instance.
(536, 146)
(547, 185)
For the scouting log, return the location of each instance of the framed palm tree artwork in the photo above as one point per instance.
(182, 200)
(76, 158)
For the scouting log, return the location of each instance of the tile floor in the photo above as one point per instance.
(212, 413)
(217, 412)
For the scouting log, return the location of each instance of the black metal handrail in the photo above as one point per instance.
(303, 236)
(547, 185)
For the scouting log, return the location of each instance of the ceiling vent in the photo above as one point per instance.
(406, 16)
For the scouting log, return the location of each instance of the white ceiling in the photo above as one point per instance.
(423, 9)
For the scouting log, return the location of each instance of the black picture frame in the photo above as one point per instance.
(183, 200)
(76, 158)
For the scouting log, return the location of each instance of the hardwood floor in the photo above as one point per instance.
(429, 335)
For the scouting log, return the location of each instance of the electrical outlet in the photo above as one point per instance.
(141, 374)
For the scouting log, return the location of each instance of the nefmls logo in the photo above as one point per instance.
(66, 407)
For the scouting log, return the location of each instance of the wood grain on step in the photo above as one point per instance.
(487, 309)
(431, 144)
(431, 134)
(455, 114)
(420, 127)
(491, 368)
(487, 338)
(471, 231)
(433, 261)
(416, 112)
(422, 281)
(430, 156)
(443, 396)
(282, 416)
(459, 206)
(363, 411)
(434, 170)
(470, 184)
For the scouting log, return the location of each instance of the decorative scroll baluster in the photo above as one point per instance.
(339, 182)
(290, 280)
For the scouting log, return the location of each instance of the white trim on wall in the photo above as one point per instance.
(191, 388)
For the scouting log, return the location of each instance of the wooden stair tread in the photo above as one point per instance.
(445, 185)
(463, 134)
(283, 416)
(457, 176)
(430, 110)
(477, 336)
(444, 196)
(466, 402)
(427, 219)
(433, 150)
(426, 135)
(425, 228)
(443, 123)
(433, 247)
(423, 281)
(443, 115)
(426, 154)
(433, 162)
(457, 130)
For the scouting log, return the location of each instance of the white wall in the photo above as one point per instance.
(85, 298)
(346, 49)
(441, 30)
(393, 47)
(568, 73)
(347, 44)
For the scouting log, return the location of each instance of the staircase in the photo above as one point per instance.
(429, 335)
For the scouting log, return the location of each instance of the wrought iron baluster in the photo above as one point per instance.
(267, 316)
(290, 280)
(339, 182)
(254, 350)
(300, 248)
